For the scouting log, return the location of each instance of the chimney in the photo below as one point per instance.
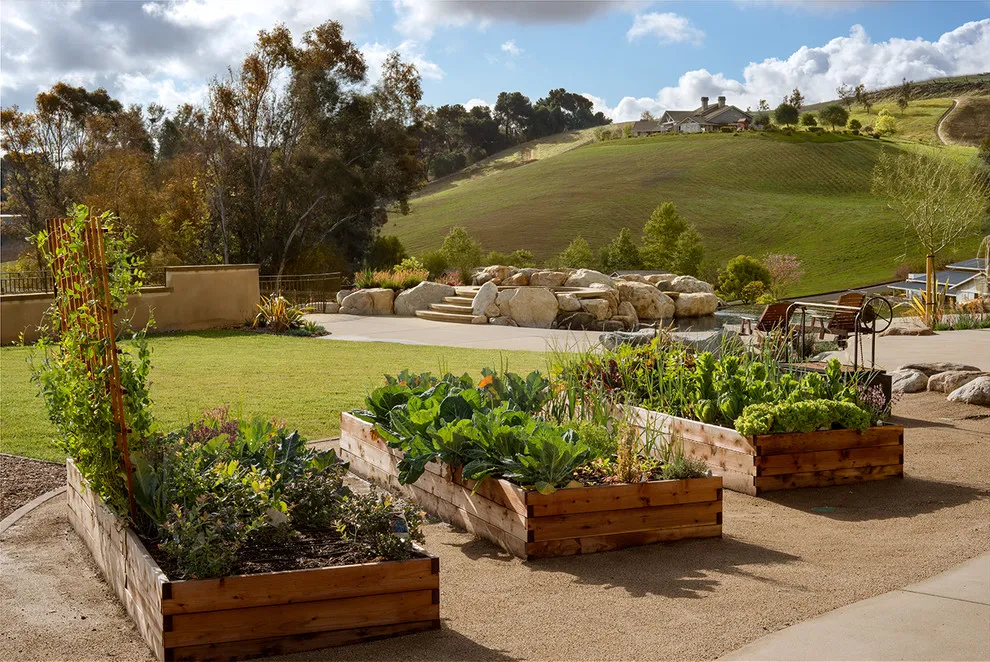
(704, 104)
(721, 102)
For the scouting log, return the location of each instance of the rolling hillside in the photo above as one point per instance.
(746, 193)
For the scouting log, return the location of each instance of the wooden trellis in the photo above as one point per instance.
(83, 277)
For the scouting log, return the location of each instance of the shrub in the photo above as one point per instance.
(410, 263)
(834, 115)
(521, 258)
(727, 129)
(808, 119)
(740, 272)
(403, 279)
(385, 252)
(688, 253)
(435, 263)
(660, 236)
(577, 255)
(753, 291)
(622, 253)
(855, 124)
(816, 129)
(278, 314)
(886, 124)
(785, 113)
(461, 252)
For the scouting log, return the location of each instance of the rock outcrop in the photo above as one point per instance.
(950, 380)
(695, 304)
(534, 307)
(585, 277)
(371, 301)
(649, 302)
(908, 381)
(689, 285)
(421, 297)
(976, 392)
(485, 297)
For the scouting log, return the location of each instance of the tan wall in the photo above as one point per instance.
(194, 298)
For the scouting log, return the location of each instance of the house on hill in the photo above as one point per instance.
(962, 281)
(707, 117)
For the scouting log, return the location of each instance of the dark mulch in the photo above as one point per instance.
(22, 479)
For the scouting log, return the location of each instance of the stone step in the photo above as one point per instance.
(458, 308)
(460, 300)
(444, 317)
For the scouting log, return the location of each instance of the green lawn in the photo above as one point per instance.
(747, 193)
(304, 381)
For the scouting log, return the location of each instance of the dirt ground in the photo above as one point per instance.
(783, 559)
(22, 479)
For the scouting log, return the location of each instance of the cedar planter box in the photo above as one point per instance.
(531, 525)
(764, 463)
(253, 615)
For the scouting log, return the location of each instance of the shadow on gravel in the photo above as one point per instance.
(679, 569)
(882, 499)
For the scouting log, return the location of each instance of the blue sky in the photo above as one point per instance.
(627, 56)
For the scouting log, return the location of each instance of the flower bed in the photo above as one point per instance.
(530, 525)
(253, 615)
(756, 464)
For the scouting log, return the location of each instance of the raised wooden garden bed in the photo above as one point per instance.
(531, 525)
(764, 463)
(253, 615)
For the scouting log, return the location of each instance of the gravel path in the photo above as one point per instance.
(22, 479)
(783, 559)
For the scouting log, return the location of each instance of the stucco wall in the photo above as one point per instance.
(194, 298)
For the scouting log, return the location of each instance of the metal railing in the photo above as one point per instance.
(40, 282)
(313, 290)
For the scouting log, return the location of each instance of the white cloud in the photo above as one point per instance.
(667, 28)
(817, 71)
(511, 48)
(374, 55)
(471, 103)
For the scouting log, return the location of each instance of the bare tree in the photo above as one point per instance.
(938, 196)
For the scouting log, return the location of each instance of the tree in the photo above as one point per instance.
(660, 235)
(864, 98)
(904, 95)
(688, 253)
(938, 197)
(385, 252)
(796, 99)
(886, 123)
(622, 253)
(854, 125)
(461, 252)
(784, 270)
(577, 255)
(762, 116)
(740, 272)
(835, 115)
(646, 116)
(785, 113)
(847, 95)
(512, 112)
(808, 119)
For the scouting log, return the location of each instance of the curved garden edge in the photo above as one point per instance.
(12, 519)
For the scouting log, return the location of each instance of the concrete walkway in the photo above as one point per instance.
(416, 331)
(946, 617)
(971, 347)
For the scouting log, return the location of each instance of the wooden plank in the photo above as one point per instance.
(501, 492)
(623, 496)
(714, 435)
(371, 473)
(361, 431)
(285, 645)
(476, 505)
(773, 465)
(302, 617)
(593, 544)
(737, 482)
(293, 586)
(448, 512)
(827, 478)
(720, 458)
(555, 527)
(827, 440)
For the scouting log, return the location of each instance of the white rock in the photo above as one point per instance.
(371, 301)
(908, 381)
(907, 326)
(976, 392)
(331, 307)
(654, 279)
(421, 296)
(933, 367)
(585, 277)
(568, 303)
(696, 304)
(609, 293)
(479, 319)
(492, 311)
(519, 279)
(499, 272)
(690, 285)
(342, 294)
(547, 278)
(532, 307)
(597, 307)
(648, 302)
(485, 297)
(949, 381)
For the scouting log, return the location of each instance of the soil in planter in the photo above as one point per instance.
(313, 549)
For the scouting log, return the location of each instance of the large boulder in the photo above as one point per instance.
(907, 326)
(496, 272)
(935, 367)
(547, 278)
(649, 302)
(610, 294)
(371, 301)
(625, 309)
(695, 304)
(485, 297)
(568, 303)
(908, 381)
(633, 278)
(578, 321)
(421, 297)
(949, 381)
(331, 307)
(585, 277)
(976, 392)
(656, 279)
(519, 279)
(597, 307)
(529, 306)
(342, 294)
(689, 285)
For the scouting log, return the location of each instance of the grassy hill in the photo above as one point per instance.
(746, 193)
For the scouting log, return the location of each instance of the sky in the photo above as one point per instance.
(628, 56)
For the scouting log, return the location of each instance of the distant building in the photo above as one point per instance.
(967, 280)
(707, 117)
